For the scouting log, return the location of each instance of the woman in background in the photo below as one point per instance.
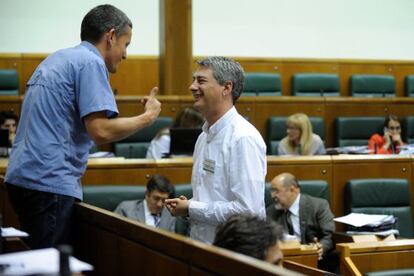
(300, 139)
(188, 117)
(390, 141)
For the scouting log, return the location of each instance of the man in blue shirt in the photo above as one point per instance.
(69, 105)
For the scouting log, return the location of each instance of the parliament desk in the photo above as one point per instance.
(363, 257)
(118, 246)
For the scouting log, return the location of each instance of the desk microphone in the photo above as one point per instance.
(392, 145)
(303, 227)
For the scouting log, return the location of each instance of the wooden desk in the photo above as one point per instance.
(359, 258)
(118, 246)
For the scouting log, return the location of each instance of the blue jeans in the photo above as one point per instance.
(45, 216)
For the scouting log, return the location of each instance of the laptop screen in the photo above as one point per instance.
(183, 140)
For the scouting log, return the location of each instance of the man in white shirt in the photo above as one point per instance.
(229, 163)
(151, 210)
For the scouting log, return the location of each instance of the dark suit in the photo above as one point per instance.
(315, 218)
(134, 209)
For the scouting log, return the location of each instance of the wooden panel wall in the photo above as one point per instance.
(138, 74)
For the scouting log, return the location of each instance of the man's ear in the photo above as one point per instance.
(228, 87)
(110, 37)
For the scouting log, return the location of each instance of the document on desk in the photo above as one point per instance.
(8, 232)
(359, 220)
(41, 261)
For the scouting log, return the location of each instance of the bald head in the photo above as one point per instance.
(284, 189)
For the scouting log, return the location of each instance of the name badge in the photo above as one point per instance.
(209, 165)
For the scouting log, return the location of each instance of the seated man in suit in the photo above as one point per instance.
(251, 236)
(151, 210)
(308, 218)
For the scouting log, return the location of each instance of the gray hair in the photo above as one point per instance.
(102, 19)
(226, 69)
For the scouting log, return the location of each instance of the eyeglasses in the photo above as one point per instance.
(394, 128)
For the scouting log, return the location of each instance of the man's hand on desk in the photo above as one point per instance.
(318, 247)
(178, 207)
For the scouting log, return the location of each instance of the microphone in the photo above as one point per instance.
(303, 227)
(300, 149)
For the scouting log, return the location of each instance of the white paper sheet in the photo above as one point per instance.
(40, 261)
(359, 220)
(8, 232)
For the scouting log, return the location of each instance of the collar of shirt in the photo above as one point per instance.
(294, 209)
(91, 48)
(211, 131)
(149, 218)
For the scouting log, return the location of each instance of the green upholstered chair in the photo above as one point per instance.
(408, 129)
(316, 188)
(372, 85)
(276, 131)
(393, 272)
(381, 196)
(136, 145)
(356, 131)
(109, 196)
(315, 85)
(262, 84)
(409, 86)
(9, 82)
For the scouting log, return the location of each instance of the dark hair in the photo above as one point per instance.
(189, 117)
(162, 184)
(102, 19)
(8, 114)
(225, 69)
(390, 118)
(248, 235)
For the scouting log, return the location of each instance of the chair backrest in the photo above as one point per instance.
(372, 85)
(136, 145)
(381, 196)
(409, 86)
(356, 131)
(276, 131)
(316, 188)
(9, 82)
(408, 129)
(109, 196)
(315, 85)
(262, 84)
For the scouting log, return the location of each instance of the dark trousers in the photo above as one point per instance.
(45, 216)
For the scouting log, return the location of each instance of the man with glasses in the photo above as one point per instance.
(150, 210)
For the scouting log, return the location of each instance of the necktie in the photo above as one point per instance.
(157, 220)
(289, 222)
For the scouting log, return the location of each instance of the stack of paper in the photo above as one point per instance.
(42, 261)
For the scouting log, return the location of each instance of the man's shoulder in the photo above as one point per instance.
(315, 201)
(131, 203)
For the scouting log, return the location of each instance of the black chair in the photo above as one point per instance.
(9, 82)
(372, 85)
(356, 131)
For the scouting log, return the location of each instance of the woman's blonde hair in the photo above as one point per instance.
(300, 121)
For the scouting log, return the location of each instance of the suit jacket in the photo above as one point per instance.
(134, 209)
(315, 218)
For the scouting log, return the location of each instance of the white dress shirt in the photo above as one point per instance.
(228, 177)
(159, 147)
(149, 218)
(294, 217)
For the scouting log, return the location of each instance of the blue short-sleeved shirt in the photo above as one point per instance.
(50, 152)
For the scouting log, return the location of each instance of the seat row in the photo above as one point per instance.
(370, 196)
(318, 84)
(269, 84)
(349, 131)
